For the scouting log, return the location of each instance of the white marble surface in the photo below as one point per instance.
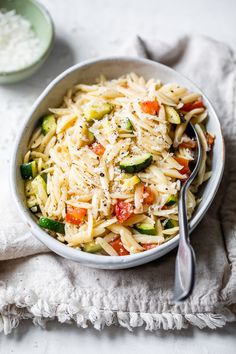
(61, 339)
(87, 28)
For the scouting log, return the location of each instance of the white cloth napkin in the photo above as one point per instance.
(39, 285)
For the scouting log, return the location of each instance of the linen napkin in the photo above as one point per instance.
(38, 285)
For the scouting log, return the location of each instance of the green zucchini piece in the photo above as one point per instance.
(170, 224)
(48, 124)
(40, 188)
(39, 183)
(92, 247)
(172, 115)
(146, 229)
(171, 200)
(32, 204)
(28, 170)
(129, 125)
(44, 177)
(52, 225)
(136, 163)
(91, 137)
(29, 190)
(97, 111)
(131, 182)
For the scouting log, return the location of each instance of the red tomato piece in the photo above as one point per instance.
(150, 107)
(183, 162)
(123, 210)
(148, 196)
(119, 248)
(98, 149)
(148, 246)
(187, 107)
(75, 215)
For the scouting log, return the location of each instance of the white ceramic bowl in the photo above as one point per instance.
(86, 72)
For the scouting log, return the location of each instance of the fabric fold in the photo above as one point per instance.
(15, 238)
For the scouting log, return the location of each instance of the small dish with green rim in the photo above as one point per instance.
(42, 24)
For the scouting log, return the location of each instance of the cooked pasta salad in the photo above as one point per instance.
(104, 170)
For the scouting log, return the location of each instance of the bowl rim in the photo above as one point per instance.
(103, 261)
(48, 48)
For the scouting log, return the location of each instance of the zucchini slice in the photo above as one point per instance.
(48, 124)
(170, 224)
(52, 225)
(146, 229)
(44, 177)
(32, 204)
(129, 125)
(40, 188)
(92, 247)
(136, 163)
(97, 111)
(171, 200)
(172, 115)
(131, 182)
(91, 137)
(28, 170)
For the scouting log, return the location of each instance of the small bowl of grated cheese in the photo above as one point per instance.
(26, 39)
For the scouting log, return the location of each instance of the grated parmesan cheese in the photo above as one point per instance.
(19, 45)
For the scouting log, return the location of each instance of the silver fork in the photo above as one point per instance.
(185, 260)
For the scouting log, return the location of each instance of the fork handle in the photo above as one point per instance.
(183, 219)
(185, 260)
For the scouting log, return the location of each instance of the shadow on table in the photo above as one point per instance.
(115, 332)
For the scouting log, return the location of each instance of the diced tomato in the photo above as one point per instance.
(184, 163)
(150, 107)
(210, 140)
(125, 84)
(190, 144)
(148, 246)
(75, 215)
(148, 196)
(98, 149)
(123, 210)
(187, 107)
(119, 248)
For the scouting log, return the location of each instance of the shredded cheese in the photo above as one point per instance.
(19, 45)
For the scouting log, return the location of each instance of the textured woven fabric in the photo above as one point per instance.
(40, 285)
